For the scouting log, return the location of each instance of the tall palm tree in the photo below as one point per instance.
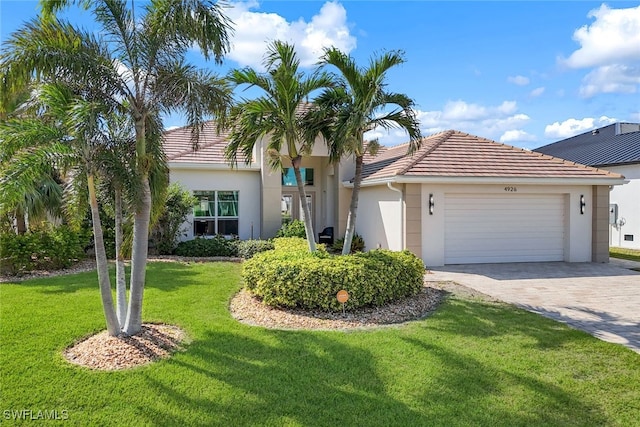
(63, 136)
(358, 103)
(138, 66)
(278, 115)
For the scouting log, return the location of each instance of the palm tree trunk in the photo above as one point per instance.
(121, 281)
(308, 224)
(353, 208)
(133, 324)
(21, 224)
(140, 248)
(101, 262)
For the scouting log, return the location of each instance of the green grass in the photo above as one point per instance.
(471, 363)
(632, 254)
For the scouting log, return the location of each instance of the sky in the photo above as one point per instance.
(524, 73)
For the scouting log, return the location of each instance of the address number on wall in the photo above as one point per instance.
(511, 189)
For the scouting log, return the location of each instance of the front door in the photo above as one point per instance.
(292, 208)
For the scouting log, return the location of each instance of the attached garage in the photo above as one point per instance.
(462, 199)
(488, 228)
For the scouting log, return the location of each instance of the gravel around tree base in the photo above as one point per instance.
(108, 353)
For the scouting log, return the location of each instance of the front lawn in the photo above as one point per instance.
(622, 253)
(471, 363)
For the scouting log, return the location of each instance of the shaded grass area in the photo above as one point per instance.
(471, 363)
(622, 253)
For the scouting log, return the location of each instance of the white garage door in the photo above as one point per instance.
(488, 228)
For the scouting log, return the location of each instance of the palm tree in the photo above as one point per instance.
(62, 136)
(137, 67)
(44, 197)
(358, 103)
(278, 115)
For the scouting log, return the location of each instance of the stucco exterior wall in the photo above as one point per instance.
(379, 218)
(344, 171)
(246, 182)
(627, 197)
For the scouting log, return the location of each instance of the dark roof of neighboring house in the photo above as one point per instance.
(456, 154)
(616, 144)
(179, 148)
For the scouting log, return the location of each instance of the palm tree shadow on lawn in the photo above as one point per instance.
(300, 378)
(164, 276)
(321, 379)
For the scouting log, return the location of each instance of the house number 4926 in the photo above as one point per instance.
(510, 189)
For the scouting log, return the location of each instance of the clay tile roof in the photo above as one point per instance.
(456, 154)
(178, 146)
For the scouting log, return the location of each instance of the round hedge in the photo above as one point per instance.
(291, 276)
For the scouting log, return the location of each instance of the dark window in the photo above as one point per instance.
(215, 212)
(628, 237)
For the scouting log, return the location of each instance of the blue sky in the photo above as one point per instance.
(524, 73)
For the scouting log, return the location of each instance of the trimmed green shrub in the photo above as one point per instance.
(290, 277)
(248, 248)
(293, 228)
(47, 249)
(357, 244)
(201, 247)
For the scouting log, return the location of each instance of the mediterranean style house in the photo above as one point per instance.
(458, 199)
(617, 148)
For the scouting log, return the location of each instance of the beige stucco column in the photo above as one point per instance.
(413, 218)
(600, 224)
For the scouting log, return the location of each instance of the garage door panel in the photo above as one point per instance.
(503, 228)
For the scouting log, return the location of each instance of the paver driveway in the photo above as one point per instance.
(601, 299)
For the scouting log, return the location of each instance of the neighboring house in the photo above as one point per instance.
(615, 148)
(459, 199)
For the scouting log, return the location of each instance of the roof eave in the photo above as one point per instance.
(212, 166)
(403, 179)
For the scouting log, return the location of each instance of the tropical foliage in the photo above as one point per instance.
(166, 230)
(359, 102)
(287, 277)
(215, 246)
(293, 228)
(41, 249)
(279, 115)
(136, 68)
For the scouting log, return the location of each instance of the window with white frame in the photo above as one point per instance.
(215, 212)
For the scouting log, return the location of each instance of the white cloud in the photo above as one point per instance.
(635, 117)
(612, 38)
(254, 30)
(516, 135)
(460, 110)
(485, 121)
(536, 92)
(518, 80)
(611, 79)
(571, 127)
(611, 46)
